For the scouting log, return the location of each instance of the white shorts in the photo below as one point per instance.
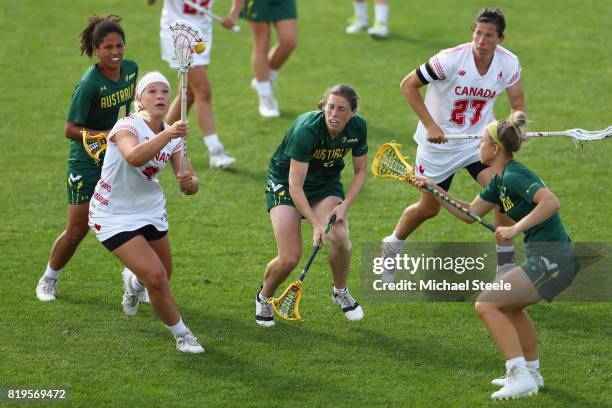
(167, 48)
(438, 164)
(106, 225)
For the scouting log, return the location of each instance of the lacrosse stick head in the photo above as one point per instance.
(389, 162)
(287, 305)
(185, 37)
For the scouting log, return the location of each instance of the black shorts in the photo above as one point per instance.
(474, 169)
(149, 232)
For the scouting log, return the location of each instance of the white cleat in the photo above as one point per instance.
(264, 314)
(351, 309)
(268, 107)
(378, 31)
(535, 374)
(356, 26)
(130, 296)
(46, 290)
(221, 160)
(518, 384)
(188, 343)
(143, 296)
(388, 250)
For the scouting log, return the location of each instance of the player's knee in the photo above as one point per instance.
(157, 280)
(339, 237)
(203, 94)
(290, 261)
(76, 233)
(289, 43)
(483, 309)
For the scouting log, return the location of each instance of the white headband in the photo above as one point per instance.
(150, 78)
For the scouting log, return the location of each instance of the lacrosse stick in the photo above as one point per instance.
(185, 38)
(389, 162)
(203, 10)
(287, 305)
(578, 135)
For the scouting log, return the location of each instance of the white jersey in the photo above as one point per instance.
(179, 10)
(460, 100)
(127, 198)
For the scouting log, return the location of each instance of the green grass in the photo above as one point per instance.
(404, 354)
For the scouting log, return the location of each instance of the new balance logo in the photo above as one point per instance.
(74, 178)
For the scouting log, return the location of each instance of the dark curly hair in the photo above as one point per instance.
(97, 28)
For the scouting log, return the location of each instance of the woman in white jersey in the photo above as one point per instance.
(462, 86)
(128, 208)
(199, 90)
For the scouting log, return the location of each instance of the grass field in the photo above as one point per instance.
(401, 354)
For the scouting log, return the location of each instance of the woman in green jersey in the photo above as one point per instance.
(550, 264)
(104, 94)
(304, 182)
(266, 61)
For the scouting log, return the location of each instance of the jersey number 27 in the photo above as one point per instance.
(460, 106)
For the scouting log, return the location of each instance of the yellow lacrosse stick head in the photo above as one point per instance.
(389, 162)
(287, 305)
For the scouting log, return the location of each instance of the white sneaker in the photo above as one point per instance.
(143, 296)
(254, 83)
(388, 250)
(535, 374)
(351, 309)
(264, 314)
(221, 160)
(130, 296)
(519, 383)
(356, 25)
(268, 107)
(188, 343)
(46, 290)
(378, 31)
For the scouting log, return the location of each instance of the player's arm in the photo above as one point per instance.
(410, 88)
(546, 205)
(187, 181)
(516, 97)
(230, 20)
(139, 154)
(73, 131)
(297, 175)
(360, 168)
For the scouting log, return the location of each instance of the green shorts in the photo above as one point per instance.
(81, 182)
(280, 194)
(551, 267)
(269, 10)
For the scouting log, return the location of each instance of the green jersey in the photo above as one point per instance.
(97, 103)
(514, 192)
(308, 141)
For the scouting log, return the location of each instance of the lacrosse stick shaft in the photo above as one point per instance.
(529, 134)
(183, 119)
(316, 249)
(197, 7)
(459, 207)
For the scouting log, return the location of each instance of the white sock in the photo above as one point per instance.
(273, 75)
(213, 144)
(178, 329)
(533, 365)
(382, 12)
(361, 10)
(137, 286)
(263, 88)
(52, 273)
(395, 242)
(336, 290)
(516, 361)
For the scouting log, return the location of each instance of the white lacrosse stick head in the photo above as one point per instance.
(185, 36)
